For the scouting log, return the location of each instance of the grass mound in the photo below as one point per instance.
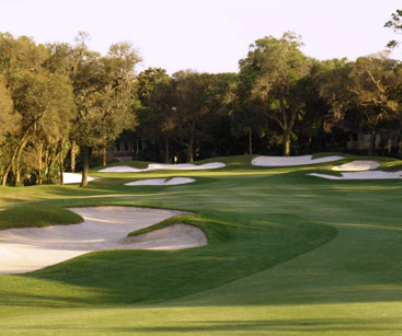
(288, 254)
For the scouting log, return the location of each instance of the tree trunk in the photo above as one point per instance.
(1, 171)
(250, 140)
(40, 154)
(104, 154)
(17, 163)
(17, 173)
(61, 162)
(53, 158)
(85, 169)
(12, 161)
(286, 143)
(167, 154)
(73, 153)
(372, 149)
(310, 140)
(190, 155)
(5, 174)
(8, 169)
(46, 157)
(190, 149)
(400, 148)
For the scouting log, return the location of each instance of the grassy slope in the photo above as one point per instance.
(256, 218)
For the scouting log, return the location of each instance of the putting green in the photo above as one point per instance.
(288, 254)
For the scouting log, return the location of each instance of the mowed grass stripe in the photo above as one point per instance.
(289, 254)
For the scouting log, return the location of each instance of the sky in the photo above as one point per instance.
(206, 35)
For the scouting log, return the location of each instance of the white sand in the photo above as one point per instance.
(278, 161)
(161, 181)
(120, 169)
(186, 166)
(104, 228)
(366, 175)
(358, 165)
(157, 166)
(69, 178)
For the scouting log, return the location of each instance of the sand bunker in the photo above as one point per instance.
(162, 181)
(157, 166)
(278, 161)
(357, 165)
(69, 178)
(366, 175)
(104, 228)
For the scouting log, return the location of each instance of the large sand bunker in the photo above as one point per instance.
(366, 175)
(157, 166)
(358, 165)
(279, 161)
(104, 228)
(162, 181)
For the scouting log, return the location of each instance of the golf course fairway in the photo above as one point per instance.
(287, 254)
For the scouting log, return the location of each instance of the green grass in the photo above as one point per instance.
(288, 254)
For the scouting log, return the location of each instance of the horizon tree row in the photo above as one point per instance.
(279, 98)
(59, 104)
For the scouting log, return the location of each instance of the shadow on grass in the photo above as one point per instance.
(288, 326)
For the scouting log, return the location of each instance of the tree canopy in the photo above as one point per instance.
(65, 105)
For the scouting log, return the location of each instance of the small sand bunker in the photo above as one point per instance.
(104, 228)
(173, 237)
(162, 181)
(358, 165)
(120, 169)
(69, 178)
(280, 161)
(366, 175)
(157, 166)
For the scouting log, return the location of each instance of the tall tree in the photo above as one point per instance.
(103, 89)
(190, 90)
(221, 101)
(45, 103)
(371, 80)
(155, 92)
(280, 65)
(247, 113)
(363, 88)
(40, 97)
(115, 96)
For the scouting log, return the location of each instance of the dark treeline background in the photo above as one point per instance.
(65, 107)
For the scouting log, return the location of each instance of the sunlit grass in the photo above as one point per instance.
(289, 254)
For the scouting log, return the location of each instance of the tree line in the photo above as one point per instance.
(60, 103)
(280, 102)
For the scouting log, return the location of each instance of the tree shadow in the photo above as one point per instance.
(290, 326)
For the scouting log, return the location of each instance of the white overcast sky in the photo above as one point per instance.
(205, 35)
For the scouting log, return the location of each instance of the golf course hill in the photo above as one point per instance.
(252, 245)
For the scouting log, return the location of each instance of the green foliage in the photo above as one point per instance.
(274, 70)
(147, 81)
(396, 24)
(55, 94)
(8, 119)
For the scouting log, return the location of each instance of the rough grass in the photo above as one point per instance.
(289, 254)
